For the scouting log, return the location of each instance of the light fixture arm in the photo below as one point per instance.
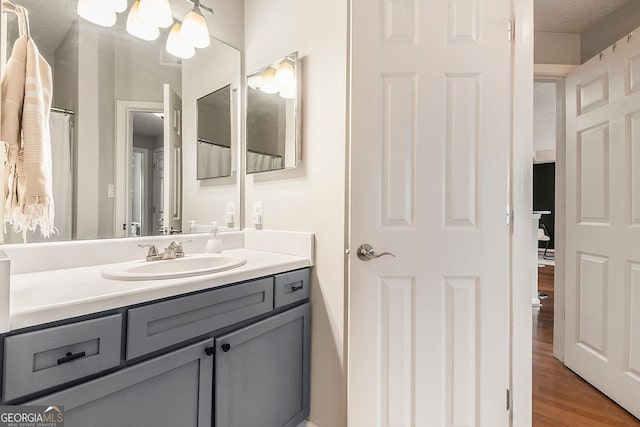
(197, 5)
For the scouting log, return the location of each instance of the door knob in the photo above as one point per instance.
(366, 252)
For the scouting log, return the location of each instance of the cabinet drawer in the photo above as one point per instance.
(163, 324)
(45, 358)
(291, 287)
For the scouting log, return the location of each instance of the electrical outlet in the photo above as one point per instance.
(111, 191)
(257, 207)
(256, 219)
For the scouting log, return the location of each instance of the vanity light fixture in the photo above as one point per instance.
(97, 11)
(194, 27)
(141, 28)
(177, 46)
(285, 75)
(269, 84)
(280, 78)
(145, 19)
(156, 12)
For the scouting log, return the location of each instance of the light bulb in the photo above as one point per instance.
(156, 12)
(139, 27)
(119, 6)
(177, 45)
(254, 81)
(285, 75)
(194, 29)
(269, 84)
(97, 12)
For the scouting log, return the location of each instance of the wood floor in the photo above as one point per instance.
(560, 397)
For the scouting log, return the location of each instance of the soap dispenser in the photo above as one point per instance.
(214, 244)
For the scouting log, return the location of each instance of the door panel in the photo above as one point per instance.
(262, 372)
(602, 233)
(430, 141)
(172, 159)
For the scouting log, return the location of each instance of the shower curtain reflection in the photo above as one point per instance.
(61, 126)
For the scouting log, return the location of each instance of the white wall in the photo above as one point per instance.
(88, 134)
(311, 197)
(556, 48)
(544, 120)
(210, 69)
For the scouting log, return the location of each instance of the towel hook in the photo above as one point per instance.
(629, 37)
(600, 56)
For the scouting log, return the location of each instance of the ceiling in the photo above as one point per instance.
(147, 124)
(571, 16)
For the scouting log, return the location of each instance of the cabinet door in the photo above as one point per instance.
(262, 372)
(170, 390)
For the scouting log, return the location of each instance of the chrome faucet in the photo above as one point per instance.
(174, 250)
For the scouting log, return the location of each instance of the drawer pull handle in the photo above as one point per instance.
(209, 351)
(226, 347)
(296, 288)
(71, 357)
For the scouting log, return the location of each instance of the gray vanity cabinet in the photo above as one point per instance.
(242, 360)
(262, 372)
(170, 390)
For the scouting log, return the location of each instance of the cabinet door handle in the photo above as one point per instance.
(296, 288)
(71, 357)
(209, 351)
(226, 347)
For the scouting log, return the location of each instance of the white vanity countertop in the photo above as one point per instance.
(47, 296)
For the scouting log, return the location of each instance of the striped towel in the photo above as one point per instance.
(25, 130)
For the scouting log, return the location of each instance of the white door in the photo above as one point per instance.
(602, 305)
(158, 191)
(138, 201)
(430, 155)
(172, 159)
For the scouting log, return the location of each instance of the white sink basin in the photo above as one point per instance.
(190, 265)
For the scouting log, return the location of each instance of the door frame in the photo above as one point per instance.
(124, 148)
(557, 73)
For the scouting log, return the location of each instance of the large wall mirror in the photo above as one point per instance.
(273, 128)
(124, 126)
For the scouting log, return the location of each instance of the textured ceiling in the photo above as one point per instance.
(572, 16)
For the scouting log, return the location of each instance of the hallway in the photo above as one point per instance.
(560, 397)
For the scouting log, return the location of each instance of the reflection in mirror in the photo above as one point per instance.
(273, 101)
(147, 173)
(214, 134)
(94, 70)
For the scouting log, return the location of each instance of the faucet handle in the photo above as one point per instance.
(177, 247)
(153, 251)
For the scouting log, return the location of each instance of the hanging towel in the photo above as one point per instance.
(25, 130)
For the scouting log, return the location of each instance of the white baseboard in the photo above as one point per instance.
(306, 423)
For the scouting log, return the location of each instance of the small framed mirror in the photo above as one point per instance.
(273, 116)
(214, 134)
